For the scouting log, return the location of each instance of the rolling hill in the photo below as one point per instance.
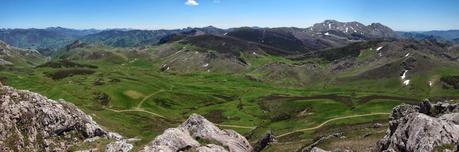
(17, 57)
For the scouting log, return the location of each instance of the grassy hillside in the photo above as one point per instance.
(127, 90)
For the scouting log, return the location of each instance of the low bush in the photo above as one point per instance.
(65, 64)
(451, 81)
(61, 74)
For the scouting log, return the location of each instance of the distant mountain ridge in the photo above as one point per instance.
(327, 34)
(53, 37)
(132, 38)
(374, 30)
(449, 35)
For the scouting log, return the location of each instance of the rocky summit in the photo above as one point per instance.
(32, 122)
(193, 133)
(423, 127)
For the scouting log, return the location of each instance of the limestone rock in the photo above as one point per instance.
(32, 122)
(197, 127)
(421, 127)
(317, 149)
(118, 146)
(211, 148)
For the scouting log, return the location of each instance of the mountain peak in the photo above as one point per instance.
(374, 30)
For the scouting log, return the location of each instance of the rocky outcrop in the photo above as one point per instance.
(196, 128)
(352, 29)
(317, 149)
(423, 127)
(119, 146)
(32, 122)
(10, 55)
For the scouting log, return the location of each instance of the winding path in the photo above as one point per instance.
(330, 120)
(139, 108)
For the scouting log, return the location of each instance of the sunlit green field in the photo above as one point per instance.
(143, 101)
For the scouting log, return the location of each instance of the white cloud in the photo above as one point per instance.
(191, 3)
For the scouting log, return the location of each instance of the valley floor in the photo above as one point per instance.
(137, 100)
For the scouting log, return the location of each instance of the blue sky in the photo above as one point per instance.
(406, 15)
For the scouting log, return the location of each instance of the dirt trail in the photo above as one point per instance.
(330, 120)
(137, 110)
(139, 106)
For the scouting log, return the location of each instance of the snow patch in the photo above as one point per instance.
(430, 83)
(205, 65)
(225, 33)
(404, 74)
(380, 54)
(379, 48)
(408, 54)
(254, 53)
(347, 29)
(327, 33)
(329, 26)
(406, 82)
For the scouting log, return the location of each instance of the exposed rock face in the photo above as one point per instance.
(31, 122)
(422, 127)
(353, 29)
(317, 149)
(118, 146)
(10, 55)
(196, 128)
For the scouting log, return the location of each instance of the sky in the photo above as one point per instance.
(401, 15)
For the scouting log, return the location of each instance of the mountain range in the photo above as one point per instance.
(56, 37)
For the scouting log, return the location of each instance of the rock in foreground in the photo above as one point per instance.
(32, 122)
(188, 135)
(425, 127)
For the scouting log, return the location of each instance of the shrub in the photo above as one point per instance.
(66, 64)
(451, 81)
(61, 74)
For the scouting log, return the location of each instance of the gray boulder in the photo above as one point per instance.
(119, 146)
(32, 122)
(419, 128)
(196, 127)
(317, 149)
